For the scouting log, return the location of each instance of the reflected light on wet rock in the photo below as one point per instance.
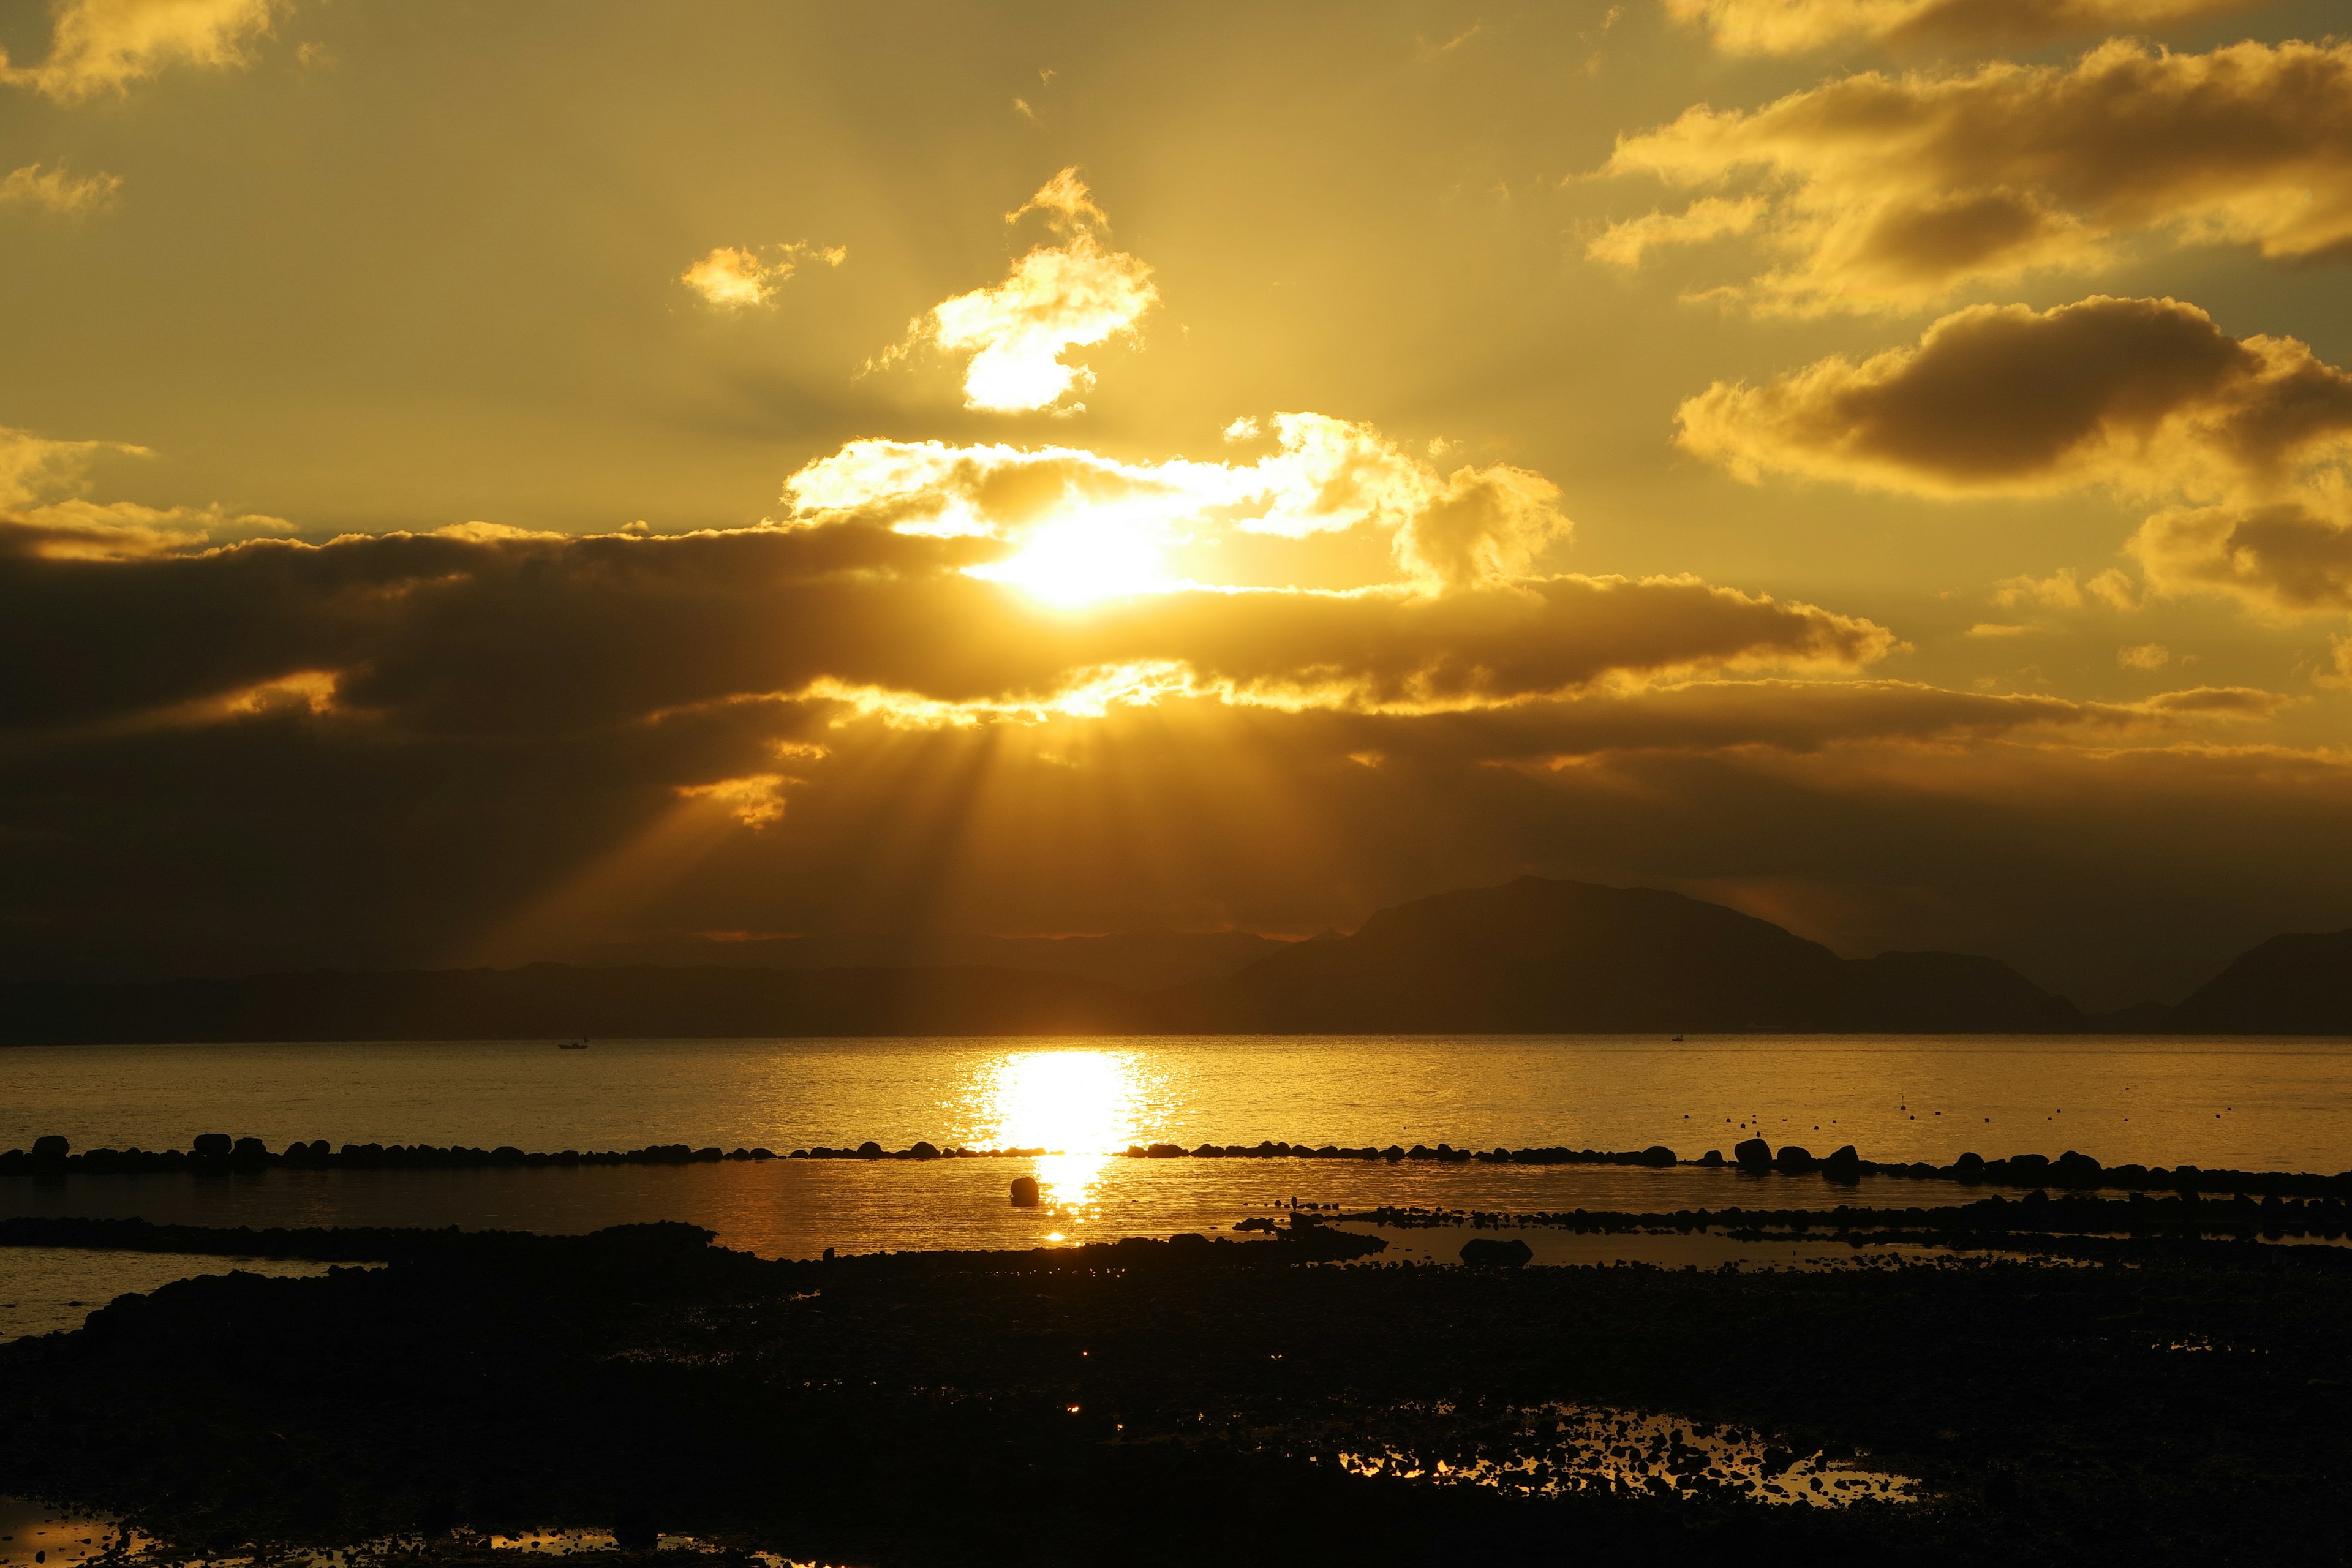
(1551, 1449)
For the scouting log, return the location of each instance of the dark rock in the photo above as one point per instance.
(1485, 1252)
(1024, 1192)
(51, 1147)
(1712, 1158)
(1795, 1158)
(869, 1150)
(1753, 1153)
(1657, 1154)
(1843, 1165)
(925, 1150)
(212, 1145)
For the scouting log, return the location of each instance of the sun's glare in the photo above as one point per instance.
(1083, 559)
(1081, 1107)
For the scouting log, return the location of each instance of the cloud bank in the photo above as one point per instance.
(1889, 192)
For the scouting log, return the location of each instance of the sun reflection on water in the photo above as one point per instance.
(1080, 1106)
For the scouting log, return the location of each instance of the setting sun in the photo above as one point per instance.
(1083, 559)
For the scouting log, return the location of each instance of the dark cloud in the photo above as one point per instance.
(2147, 396)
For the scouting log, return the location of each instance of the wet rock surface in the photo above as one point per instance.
(1164, 1403)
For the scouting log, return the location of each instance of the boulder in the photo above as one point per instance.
(1024, 1192)
(925, 1150)
(1713, 1157)
(51, 1147)
(1795, 1158)
(212, 1145)
(1843, 1165)
(869, 1150)
(1486, 1252)
(1753, 1153)
(1657, 1154)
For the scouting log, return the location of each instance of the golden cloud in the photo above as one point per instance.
(104, 45)
(733, 278)
(1796, 27)
(55, 190)
(1086, 526)
(1057, 297)
(42, 513)
(2145, 396)
(1887, 192)
(2287, 557)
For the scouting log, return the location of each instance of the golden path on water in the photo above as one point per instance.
(1083, 1106)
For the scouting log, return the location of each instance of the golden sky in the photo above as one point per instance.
(483, 483)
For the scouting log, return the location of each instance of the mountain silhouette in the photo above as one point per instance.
(1530, 956)
(2291, 985)
(1541, 956)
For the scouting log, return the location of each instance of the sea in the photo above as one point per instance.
(2223, 1103)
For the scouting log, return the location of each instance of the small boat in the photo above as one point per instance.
(1678, 1039)
(572, 1046)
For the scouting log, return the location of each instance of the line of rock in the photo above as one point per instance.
(216, 1152)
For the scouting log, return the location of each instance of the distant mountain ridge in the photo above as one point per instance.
(1541, 956)
(1530, 956)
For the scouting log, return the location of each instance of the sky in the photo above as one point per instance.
(489, 483)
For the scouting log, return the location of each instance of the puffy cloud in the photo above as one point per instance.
(2288, 557)
(1889, 191)
(1796, 26)
(56, 191)
(732, 278)
(103, 46)
(1058, 297)
(2146, 395)
(2063, 589)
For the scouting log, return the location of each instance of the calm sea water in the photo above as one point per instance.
(2244, 1103)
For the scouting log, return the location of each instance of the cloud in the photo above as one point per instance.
(2145, 396)
(2287, 557)
(732, 278)
(1798, 27)
(55, 190)
(1057, 297)
(1326, 476)
(103, 46)
(1888, 193)
(2142, 656)
(912, 579)
(43, 514)
(2063, 590)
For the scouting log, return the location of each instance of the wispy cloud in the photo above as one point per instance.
(1796, 27)
(104, 45)
(55, 190)
(733, 278)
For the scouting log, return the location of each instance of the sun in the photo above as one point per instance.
(1082, 559)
